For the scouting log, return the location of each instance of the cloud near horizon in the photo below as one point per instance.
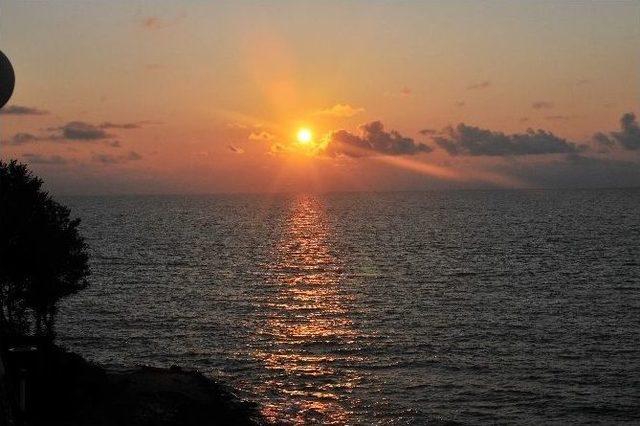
(157, 23)
(261, 136)
(481, 85)
(340, 111)
(44, 159)
(115, 159)
(558, 117)
(22, 110)
(235, 149)
(373, 140)
(80, 131)
(475, 141)
(127, 126)
(542, 105)
(628, 137)
(22, 138)
(83, 131)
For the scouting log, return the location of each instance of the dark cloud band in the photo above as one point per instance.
(475, 141)
(22, 110)
(373, 140)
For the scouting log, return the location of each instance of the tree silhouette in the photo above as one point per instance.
(42, 256)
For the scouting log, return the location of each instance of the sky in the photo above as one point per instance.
(133, 97)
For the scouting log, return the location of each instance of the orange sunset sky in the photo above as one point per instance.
(204, 97)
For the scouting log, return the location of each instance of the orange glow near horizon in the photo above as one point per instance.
(242, 97)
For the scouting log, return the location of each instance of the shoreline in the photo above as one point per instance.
(65, 389)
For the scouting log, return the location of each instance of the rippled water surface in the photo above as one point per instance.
(401, 308)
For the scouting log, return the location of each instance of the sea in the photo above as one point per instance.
(395, 308)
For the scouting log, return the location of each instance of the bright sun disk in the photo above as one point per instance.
(304, 136)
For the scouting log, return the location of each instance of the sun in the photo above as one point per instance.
(304, 136)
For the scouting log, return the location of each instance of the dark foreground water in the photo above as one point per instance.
(395, 308)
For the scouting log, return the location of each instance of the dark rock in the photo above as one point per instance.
(73, 392)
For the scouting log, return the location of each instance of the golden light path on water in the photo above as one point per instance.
(308, 323)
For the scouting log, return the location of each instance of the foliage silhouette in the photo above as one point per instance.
(42, 255)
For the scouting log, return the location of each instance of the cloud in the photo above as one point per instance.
(340, 111)
(81, 131)
(156, 23)
(373, 140)
(105, 158)
(604, 142)
(628, 137)
(239, 125)
(74, 131)
(474, 141)
(43, 159)
(115, 159)
(277, 148)
(404, 92)
(481, 85)
(235, 149)
(133, 156)
(261, 136)
(22, 110)
(151, 23)
(110, 125)
(558, 117)
(22, 138)
(542, 105)
(428, 132)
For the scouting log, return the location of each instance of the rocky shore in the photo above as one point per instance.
(68, 390)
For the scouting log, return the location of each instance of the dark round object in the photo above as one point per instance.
(7, 79)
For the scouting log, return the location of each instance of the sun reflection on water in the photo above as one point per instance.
(311, 335)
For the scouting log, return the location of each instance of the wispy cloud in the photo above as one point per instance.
(22, 138)
(110, 125)
(81, 131)
(542, 105)
(481, 85)
(107, 159)
(157, 23)
(340, 111)
(22, 110)
(261, 136)
(235, 149)
(44, 159)
(558, 117)
(428, 132)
